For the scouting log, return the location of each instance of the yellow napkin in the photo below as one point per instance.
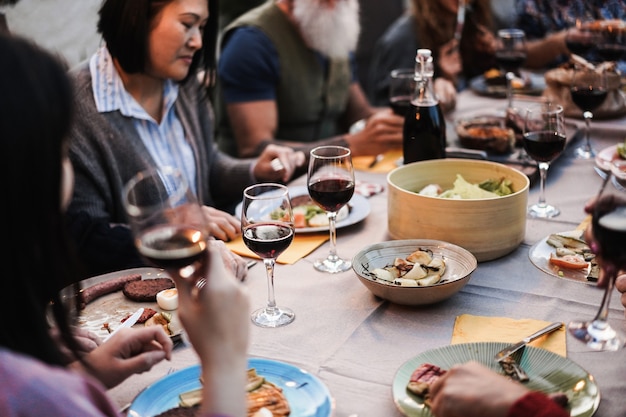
(301, 246)
(468, 328)
(387, 164)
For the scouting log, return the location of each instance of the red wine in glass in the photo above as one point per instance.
(609, 230)
(173, 247)
(331, 194)
(588, 99)
(611, 51)
(544, 146)
(400, 104)
(510, 60)
(424, 134)
(268, 240)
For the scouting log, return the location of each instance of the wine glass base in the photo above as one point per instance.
(272, 317)
(543, 211)
(603, 339)
(332, 266)
(585, 153)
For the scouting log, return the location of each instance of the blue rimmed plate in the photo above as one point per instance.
(306, 394)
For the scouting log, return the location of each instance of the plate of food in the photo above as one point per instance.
(607, 156)
(310, 218)
(283, 389)
(106, 301)
(548, 372)
(493, 84)
(565, 255)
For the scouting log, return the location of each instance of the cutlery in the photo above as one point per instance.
(127, 323)
(376, 160)
(507, 351)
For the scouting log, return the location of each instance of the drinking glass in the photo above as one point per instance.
(609, 232)
(612, 43)
(330, 180)
(588, 90)
(544, 140)
(268, 229)
(167, 221)
(401, 88)
(581, 39)
(510, 55)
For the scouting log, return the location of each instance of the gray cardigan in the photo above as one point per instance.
(106, 152)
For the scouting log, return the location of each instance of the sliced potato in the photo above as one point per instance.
(419, 257)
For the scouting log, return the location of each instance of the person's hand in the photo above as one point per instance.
(234, 263)
(485, 40)
(86, 340)
(222, 225)
(382, 132)
(446, 93)
(265, 170)
(215, 315)
(127, 352)
(473, 390)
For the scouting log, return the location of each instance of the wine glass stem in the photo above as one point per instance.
(332, 217)
(509, 88)
(588, 116)
(603, 313)
(269, 268)
(543, 173)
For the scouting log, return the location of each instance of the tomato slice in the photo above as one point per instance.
(569, 261)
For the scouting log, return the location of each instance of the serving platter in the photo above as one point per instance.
(539, 255)
(548, 372)
(359, 209)
(307, 395)
(535, 87)
(109, 310)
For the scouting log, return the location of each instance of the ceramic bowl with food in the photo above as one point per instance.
(488, 227)
(459, 265)
(489, 133)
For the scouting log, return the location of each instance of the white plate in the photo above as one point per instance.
(359, 210)
(112, 308)
(539, 255)
(604, 158)
(548, 373)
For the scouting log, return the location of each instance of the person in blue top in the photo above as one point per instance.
(287, 73)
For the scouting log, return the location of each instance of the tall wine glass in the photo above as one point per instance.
(544, 140)
(609, 232)
(167, 222)
(581, 39)
(510, 55)
(401, 88)
(268, 229)
(330, 180)
(588, 91)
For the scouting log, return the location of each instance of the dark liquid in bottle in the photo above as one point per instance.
(172, 247)
(544, 146)
(331, 194)
(268, 240)
(400, 105)
(424, 134)
(510, 61)
(588, 99)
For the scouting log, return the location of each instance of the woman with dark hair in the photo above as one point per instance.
(38, 376)
(432, 24)
(140, 104)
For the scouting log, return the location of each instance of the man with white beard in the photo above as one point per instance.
(287, 73)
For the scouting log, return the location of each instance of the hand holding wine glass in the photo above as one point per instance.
(609, 233)
(330, 180)
(167, 222)
(588, 91)
(544, 140)
(510, 55)
(268, 229)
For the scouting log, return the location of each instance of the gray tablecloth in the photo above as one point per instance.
(355, 343)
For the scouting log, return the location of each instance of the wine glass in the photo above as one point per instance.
(581, 39)
(401, 88)
(268, 229)
(609, 232)
(510, 55)
(544, 140)
(330, 180)
(167, 222)
(588, 91)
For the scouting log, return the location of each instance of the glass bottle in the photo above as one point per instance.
(424, 133)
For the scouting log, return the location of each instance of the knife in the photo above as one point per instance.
(507, 351)
(127, 323)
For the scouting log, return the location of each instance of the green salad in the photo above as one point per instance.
(464, 190)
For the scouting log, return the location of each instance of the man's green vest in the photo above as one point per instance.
(309, 98)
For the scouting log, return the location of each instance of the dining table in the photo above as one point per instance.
(355, 342)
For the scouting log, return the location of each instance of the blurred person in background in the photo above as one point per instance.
(48, 367)
(140, 104)
(4, 26)
(431, 24)
(546, 23)
(287, 75)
